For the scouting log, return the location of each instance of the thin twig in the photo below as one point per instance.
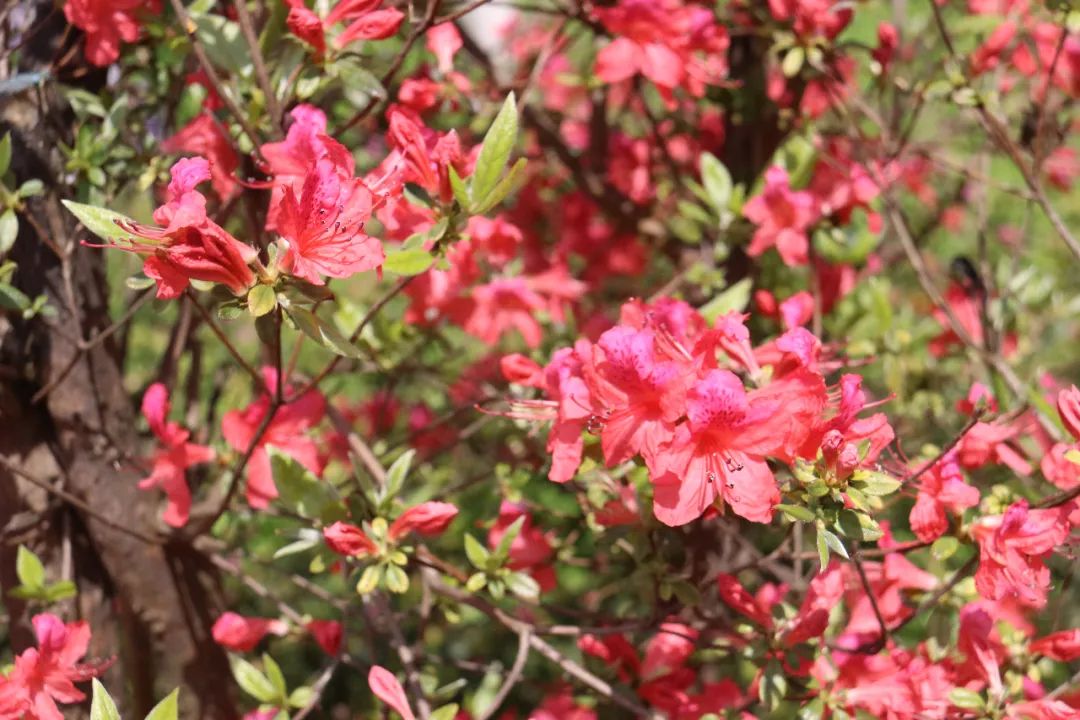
(512, 677)
(364, 321)
(84, 346)
(255, 50)
(238, 114)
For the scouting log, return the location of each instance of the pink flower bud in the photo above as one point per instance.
(430, 518)
(348, 540)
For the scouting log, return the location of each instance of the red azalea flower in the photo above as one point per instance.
(173, 459)
(287, 431)
(46, 675)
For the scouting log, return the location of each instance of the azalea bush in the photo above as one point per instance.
(552, 359)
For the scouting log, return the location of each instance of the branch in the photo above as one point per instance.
(204, 61)
(512, 677)
(272, 104)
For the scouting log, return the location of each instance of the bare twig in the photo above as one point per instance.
(512, 677)
(248, 29)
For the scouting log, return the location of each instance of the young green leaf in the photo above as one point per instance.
(797, 512)
(504, 189)
(261, 300)
(717, 182)
(252, 681)
(395, 476)
(102, 706)
(502, 550)
(106, 224)
(167, 709)
(495, 152)
(408, 262)
(478, 554)
(323, 332)
(5, 153)
(29, 569)
(275, 676)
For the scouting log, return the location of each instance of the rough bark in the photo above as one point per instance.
(151, 602)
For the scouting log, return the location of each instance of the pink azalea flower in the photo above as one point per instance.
(190, 246)
(107, 23)
(783, 217)
(323, 223)
(942, 488)
(46, 675)
(1011, 551)
(287, 431)
(530, 551)
(642, 394)
(718, 452)
(205, 137)
(175, 456)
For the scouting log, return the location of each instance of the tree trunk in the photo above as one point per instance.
(151, 602)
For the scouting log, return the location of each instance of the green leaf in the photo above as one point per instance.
(504, 189)
(29, 568)
(223, 42)
(717, 182)
(797, 512)
(395, 476)
(502, 550)
(138, 281)
(103, 223)
(31, 188)
(495, 152)
(834, 543)
(822, 551)
(734, 298)
(275, 676)
(252, 681)
(299, 490)
(476, 582)
(5, 153)
(944, 547)
(60, 591)
(301, 697)
(478, 554)
(12, 298)
(858, 526)
(323, 332)
(396, 579)
(261, 300)
(446, 712)
(793, 61)
(523, 585)
(408, 262)
(167, 709)
(461, 190)
(872, 482)
(9, 230)
(102, 706)
(369, 579)
(966, 699)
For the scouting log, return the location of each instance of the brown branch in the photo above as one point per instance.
(76, 502)
(364, 321)
(248, 29)
(512, 677)
(427, 23)
(190, 27)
